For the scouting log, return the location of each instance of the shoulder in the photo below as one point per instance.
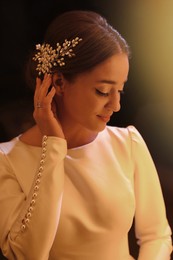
(7, 151)
(13, 152)
(123, 134)
(16, 149)
(130, 139)
(127, 138)
(7, 147)
(18, 161)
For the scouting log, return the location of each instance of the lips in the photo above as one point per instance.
(105, 118)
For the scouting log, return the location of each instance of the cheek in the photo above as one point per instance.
(73, 104)
(83, 102)
(91, 105)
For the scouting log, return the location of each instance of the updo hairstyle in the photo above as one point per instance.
(99, 42)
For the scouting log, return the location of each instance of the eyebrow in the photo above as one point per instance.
(111, 82)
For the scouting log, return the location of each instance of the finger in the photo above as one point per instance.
(41, 90)
(51, 94)
(46, 102)
(46, 83)
(36, 94)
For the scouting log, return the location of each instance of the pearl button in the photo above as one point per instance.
(34, 195)
(44, 149)
(43, 156)
(42, 162)
(37, 181)
(27, 220)
(39, 175)
(44, 144)
(36, 188)
(30, 209)
(32, 202)
(40, 169)
(28, 215)
(23, 227)
(44, 138)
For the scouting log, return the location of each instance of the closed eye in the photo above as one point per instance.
(102, 93)
(106, 94)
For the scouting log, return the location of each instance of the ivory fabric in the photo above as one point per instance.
(87, 199)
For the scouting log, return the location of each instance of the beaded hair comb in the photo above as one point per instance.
(48, 57)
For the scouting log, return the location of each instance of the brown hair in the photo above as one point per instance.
(99, 42)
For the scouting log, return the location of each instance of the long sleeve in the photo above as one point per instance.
(28, 224)
(152, 229)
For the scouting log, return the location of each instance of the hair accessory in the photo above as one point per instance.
(48, 57)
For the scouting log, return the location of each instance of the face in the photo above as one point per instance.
(90, 100)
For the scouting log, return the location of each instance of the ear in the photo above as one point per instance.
(58, 82)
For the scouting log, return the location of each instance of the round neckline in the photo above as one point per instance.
(69, 150)
(84, 148)
(84, 145)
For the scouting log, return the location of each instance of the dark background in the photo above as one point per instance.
(147, 25)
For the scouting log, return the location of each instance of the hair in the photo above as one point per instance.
(99, 42)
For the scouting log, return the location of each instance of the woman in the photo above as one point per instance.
(71, 186)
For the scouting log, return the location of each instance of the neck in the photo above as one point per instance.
(32, 136)
(77, 137)
(75, 134)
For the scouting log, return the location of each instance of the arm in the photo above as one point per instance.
(152, 229)
(28, 224)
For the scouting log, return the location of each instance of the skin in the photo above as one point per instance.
(78, 110)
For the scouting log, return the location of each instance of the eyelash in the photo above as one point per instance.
(107, 94)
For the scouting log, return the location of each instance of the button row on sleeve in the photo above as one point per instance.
(28, 215)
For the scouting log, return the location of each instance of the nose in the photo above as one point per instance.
(114, 102)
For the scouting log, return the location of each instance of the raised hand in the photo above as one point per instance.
(45, 109)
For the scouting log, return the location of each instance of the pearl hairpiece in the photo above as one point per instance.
(48, 57)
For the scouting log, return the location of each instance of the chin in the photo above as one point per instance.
(102, 128)
(98, 128)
